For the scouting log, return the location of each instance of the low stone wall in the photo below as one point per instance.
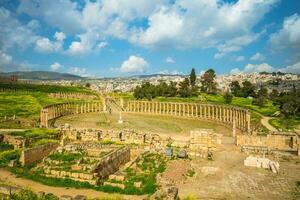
(63, 95)
(202, 141)
(274, 142)
(16, 141)
(112, 162)
(33, 155)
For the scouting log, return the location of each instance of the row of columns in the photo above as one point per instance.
(220, 113)
(62, 109)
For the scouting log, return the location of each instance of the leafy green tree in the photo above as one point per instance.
(236, 88)
(87, 85)
(274, 95)
(193, 77)
(24, 194)
(248, 89)
(184, 88)
(228, 97)
(208, 84)
(172, 89)
(261, 99)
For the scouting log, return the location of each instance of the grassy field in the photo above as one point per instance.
(26, 101)
(283, 124)
(268, 109)
(164, 125)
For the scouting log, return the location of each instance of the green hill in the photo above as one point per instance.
(42, 75)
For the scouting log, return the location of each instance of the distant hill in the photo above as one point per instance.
(42, 75)
(155, 75)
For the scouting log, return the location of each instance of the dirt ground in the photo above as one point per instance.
(227, 178)
(159, 124)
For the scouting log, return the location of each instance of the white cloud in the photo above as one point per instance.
(171, 72)
(257, 57)
(295, 68)
(227, 26)
(102, 45)
(59, 36)
(44, 45)
(56, 66)
(79, 71)
(5, 58)
(239, 58)
(13, 32)
(179, 24)
(289, 35)
(169, 60)
(265, 67)
(134, 64)
(63, 15)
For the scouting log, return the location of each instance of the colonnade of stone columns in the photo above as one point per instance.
(225, 114)
(57, 110)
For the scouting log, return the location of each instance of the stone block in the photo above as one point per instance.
(119, 185)
(137, 184)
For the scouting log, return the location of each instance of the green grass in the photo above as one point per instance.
(25, 101)
(43, 142)
(66, 157)
(5, 147)
(285, 124)
(7, 156)
(40, 133)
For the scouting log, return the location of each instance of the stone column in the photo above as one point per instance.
(233, 129)
(192, 107)
(248, 122)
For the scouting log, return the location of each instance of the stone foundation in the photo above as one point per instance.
(30, 156)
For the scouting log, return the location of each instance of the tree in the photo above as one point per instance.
(261, 99)
(184, 88)
(193, 77)
(208, 83)
(235, 88)
(248, 89)
(172, 89)
(228, 97)
(274, 95)
(24, 194)
(87, 85)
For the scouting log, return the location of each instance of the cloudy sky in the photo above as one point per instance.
(125, 37)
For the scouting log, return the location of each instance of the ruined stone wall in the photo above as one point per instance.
(63, 95)
(281, 142)
(202, 141)
(220, 113)
(16, 141)
(33, 155)
(111, 163)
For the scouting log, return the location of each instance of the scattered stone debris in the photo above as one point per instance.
(170, 193)
(259, 162)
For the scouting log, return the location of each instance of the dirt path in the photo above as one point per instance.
(6, 176)
(11, 130)
(265, 122)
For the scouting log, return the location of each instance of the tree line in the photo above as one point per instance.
(185, 88)
(288, 102)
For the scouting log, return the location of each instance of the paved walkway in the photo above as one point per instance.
(265, 122)
(6, 176)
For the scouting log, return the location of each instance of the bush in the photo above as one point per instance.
(67, 157)
(7, 156)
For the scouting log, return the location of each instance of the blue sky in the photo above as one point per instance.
(125, 37)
